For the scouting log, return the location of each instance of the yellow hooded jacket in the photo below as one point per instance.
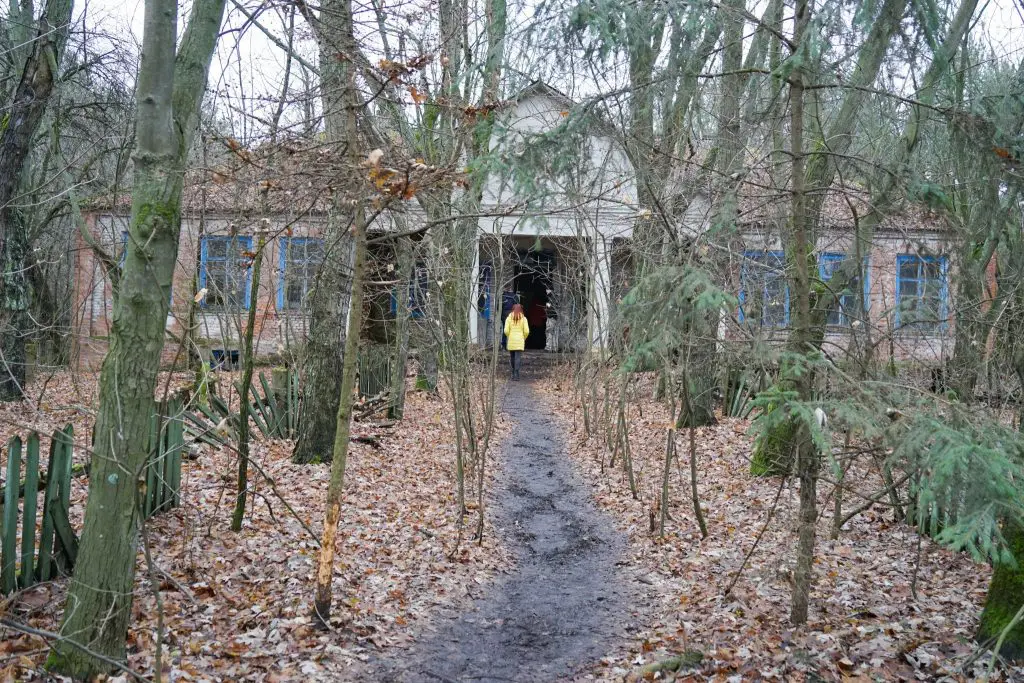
(517, 332)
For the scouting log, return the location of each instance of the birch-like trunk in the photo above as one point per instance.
(329, 303)
(325, 571)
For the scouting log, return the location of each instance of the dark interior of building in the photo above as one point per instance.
(532, 287)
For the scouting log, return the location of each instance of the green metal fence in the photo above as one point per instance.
(54, 538)
(163, 468)
(48, 545)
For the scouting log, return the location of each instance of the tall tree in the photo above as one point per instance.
(324, 353)
(169, 89)
(35, 56)
(775, 451)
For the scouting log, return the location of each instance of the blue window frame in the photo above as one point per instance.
(922, 292)
(225, 271)
(849, 308)
(124, 254)
(418, 288)
(299, 260)
(764, 293)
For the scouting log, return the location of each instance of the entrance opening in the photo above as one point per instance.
(534, 270)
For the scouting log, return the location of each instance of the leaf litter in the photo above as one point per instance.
(237, 605)
(865, 622)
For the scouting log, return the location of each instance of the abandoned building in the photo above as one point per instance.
(558, 244)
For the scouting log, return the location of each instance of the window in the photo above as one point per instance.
(124, 255)
(300, 259)
(224, 272)
(764, 295)
(418, 289)
(848, 309)
(921, 292)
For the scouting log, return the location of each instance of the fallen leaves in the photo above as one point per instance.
(236, 605)
(865, 623)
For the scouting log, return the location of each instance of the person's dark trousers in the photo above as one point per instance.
(515, 358)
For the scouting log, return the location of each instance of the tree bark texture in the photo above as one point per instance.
(798, 253)
(324, 355)
(1006, 598)
(325, 571)
(169, 89)
(42, 53)
(404, 268)
(242, 484)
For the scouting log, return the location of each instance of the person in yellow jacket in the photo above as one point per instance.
(516, 331)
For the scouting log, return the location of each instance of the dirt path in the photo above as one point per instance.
(565, 603)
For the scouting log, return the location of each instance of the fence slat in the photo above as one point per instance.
(45, 569)
(68, 439)
(28, 525)
(260, 414)
(177, 440)
(65, 545)
(151, 463)
(163, 473)
(66, 535)
(9, 555)
(293, 404)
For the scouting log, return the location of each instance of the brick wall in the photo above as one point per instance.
(276, 329)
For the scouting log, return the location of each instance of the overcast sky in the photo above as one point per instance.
(246, 72)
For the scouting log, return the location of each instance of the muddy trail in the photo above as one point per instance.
(564, 604)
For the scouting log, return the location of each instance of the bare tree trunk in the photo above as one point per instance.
(405, 269)
(323, 356)
(807, 460)
(339, 14)
(330, 306)
(687, 407)
(169, 89)
(243, 408)
(325, 572)
(43, 53)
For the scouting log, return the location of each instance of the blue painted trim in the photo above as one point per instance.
(943, 289)
(758, 257)
(248, 273)
(417, 294)
(826, 257)
(282, 250)
(246, 242)
(283, 244)
(486, 273)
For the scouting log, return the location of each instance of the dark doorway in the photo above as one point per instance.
(533, 287)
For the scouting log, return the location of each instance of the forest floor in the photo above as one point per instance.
(887, 604)
(236, 606)
(569, 583)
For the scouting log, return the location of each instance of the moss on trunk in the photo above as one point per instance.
(773, 451)
(1005, 599)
